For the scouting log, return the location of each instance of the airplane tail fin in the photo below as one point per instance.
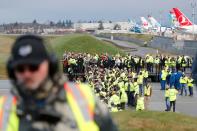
(181, 18)
(144, 21)
(153, 21)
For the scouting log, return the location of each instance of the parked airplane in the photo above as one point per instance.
(154, 22)
(145, 24)
(135, 28)
(185, 25)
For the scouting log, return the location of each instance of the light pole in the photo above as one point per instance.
(193, 5)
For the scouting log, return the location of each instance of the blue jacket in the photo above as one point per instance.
(172, 78)
(178, 76)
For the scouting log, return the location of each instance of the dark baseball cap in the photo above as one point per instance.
(28, 49)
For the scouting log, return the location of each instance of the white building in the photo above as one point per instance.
(107, 26)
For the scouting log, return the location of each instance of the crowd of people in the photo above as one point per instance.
(122, 81)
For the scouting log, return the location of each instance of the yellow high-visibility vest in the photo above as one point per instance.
(121, 84)
(124, 97)
(84, 113)
(140, 79)
(136, 87)
(157, 61)
(127, 84)
(80, 99)
(172, 94)
(140, 104)
(164, 75)
(145, 74)
(183, 80)
(173, 63)
(190, 82)
(147, 91)
(151, 59)
(133, 74)
(132, 85)
(167, 93)
(114, 109)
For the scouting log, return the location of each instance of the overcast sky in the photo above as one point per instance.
(43, 10)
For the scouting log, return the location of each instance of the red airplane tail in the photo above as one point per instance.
(181, 18)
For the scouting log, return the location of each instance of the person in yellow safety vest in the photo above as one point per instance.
(128, 91)
(136, 60)
(123, 99)
(179, 59)
(42, 99)
(169, 62)
(173, 63)
(145, 74)
(150, 61)
(128, 63)
(135, 85)
(190, 85)
(115, 99)
(164, 75)
(166, 62)
(134, 74)
(140, 103)
(140, 80)
(183, 82)
(103, 93)
(131, 97)
(72, 61)
(147, 61)
(172, 97)
(121, 83)
(157, 62)
(183, 63)
(147, 94)
(123, 75)
(167, 101)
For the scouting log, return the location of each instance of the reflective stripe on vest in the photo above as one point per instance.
(8, 118)
(81, 101)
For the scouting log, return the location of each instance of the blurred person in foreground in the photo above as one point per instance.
(42, 100)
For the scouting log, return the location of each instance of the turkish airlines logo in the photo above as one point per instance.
(183, 20)
(145, 24)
